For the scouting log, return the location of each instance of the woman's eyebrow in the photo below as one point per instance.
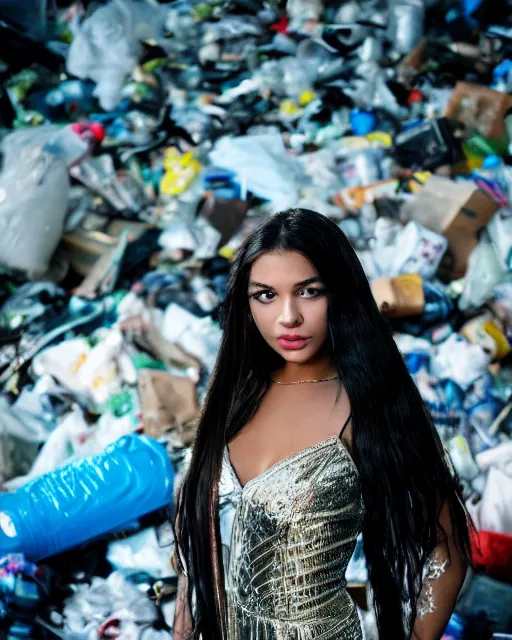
(302, 283)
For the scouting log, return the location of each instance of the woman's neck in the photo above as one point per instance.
(315, 369)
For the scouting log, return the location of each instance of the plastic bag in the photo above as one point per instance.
(495, 512)
(485, 272)
(107, 46)
(34, 188)
(264, 165)
(141, 552)
(457, 360)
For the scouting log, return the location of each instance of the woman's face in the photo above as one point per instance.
(288, 301)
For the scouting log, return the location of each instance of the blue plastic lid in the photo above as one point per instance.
(491, 162)
(362, 122)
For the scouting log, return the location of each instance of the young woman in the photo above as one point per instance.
(313, 421)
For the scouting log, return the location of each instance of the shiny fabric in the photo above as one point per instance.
(287, 537)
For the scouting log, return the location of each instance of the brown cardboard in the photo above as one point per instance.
(464, 230)
(457, 210)
(480, 108)
(167, 401)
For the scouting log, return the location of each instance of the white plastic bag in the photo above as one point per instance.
(264, 165)
(458, 360)
(495, 512)
(141, 552)
(108, 44)
(34, 189)
(485, 272)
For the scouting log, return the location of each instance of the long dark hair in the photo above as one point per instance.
(404, 473)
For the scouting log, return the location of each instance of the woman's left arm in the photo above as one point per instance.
(443, 577)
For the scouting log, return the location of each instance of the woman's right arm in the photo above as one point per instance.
(182, 627)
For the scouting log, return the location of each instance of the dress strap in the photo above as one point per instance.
(345, 425)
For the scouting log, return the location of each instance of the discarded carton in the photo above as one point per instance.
(479, 107)
(457, 210)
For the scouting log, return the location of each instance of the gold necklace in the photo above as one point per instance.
(306, 381)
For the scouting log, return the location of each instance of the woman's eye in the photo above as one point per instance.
(310, 293)
(264, 296)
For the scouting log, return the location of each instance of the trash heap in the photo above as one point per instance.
(141, 142)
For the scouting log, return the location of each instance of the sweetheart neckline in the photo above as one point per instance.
(287, 459)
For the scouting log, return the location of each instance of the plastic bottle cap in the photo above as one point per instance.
(491, 162)
(415, 96)
(97, 130)
(306, 97)
(362, 122)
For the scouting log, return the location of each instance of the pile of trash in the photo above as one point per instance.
(141, 141)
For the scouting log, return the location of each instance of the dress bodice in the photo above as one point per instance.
(287, 537)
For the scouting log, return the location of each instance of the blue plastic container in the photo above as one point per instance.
(86, 499)
(455, 628)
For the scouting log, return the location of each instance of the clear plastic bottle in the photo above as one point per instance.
(406, 24)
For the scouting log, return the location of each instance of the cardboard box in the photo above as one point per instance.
(459, 211)
(480, 108)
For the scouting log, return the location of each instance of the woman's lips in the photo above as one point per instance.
(293, 344)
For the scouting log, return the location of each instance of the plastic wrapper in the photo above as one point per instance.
(119, 188)
(363, 168)
(86, 499)
(200, 239)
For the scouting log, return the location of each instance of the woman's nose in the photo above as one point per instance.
(290, 314)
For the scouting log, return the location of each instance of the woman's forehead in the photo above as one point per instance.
(282, 268)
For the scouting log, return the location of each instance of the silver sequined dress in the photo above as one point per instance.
(287, 537)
